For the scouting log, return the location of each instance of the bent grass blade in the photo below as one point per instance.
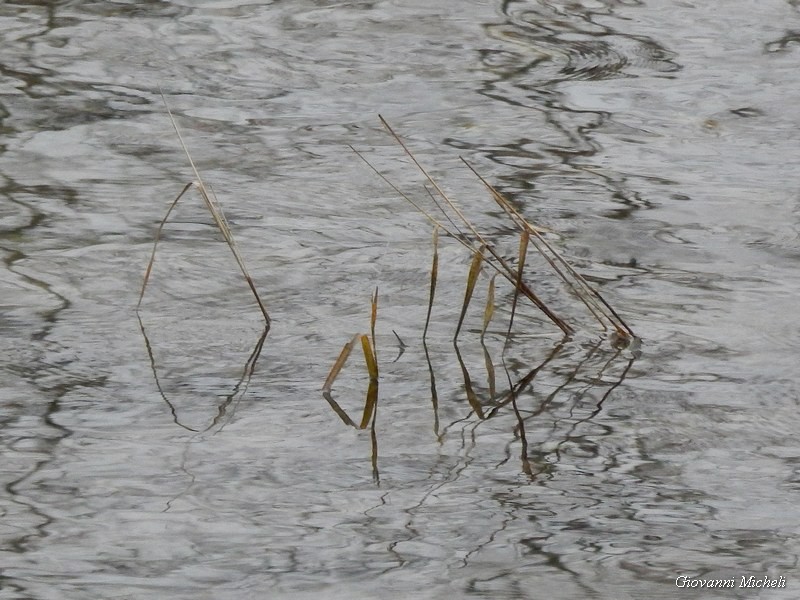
(371, 362)
(217, 214)
(339, 364)
(523, 253)
(472, 278)
(488, 312)
(434, 274)
(373, 317)
(333, 374)
(149, 268)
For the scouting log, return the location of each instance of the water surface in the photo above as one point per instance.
(142, 461)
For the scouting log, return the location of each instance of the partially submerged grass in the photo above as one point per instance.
(472, 279)
(369, 349)
(369, 415)
(523, 254)
(488, 312)
(434, 275)
(448, 218)
(596, 304)
(214, 207)
(484, 251)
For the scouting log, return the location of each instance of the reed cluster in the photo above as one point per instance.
(449, 220)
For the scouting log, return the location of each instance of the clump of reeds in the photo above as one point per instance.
(217, 214)
(446, 216)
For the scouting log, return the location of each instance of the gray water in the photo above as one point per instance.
(657, 140)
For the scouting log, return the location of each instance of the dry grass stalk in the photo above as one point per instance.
(488, 312)
(213, 206)
(504, 268)
(497, 262)
(149, 268)
(373, 317)
(523, 254)
(434, 274)
(589, 295)
(339, 364)
(476, 243)
(472, 278)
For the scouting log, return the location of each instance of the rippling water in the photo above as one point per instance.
(154, 458)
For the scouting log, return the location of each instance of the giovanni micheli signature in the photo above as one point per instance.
(741, 581)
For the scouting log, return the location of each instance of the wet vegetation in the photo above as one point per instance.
(484, 401)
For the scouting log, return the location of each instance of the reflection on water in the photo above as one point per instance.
(483, 402)
(493, 405)
(230, 401)
(201, 462)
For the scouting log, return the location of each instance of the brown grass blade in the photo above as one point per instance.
(488, 312)
(373, 317)
(369, 358)
(528, 292)
(339, 364)
(218, 215)
(371, 404)
(372, 390)
(149, 268)
(524, 238)
(472, 278)
(434, 275)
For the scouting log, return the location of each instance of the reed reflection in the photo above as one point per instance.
(230, 401)
(548, 409)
